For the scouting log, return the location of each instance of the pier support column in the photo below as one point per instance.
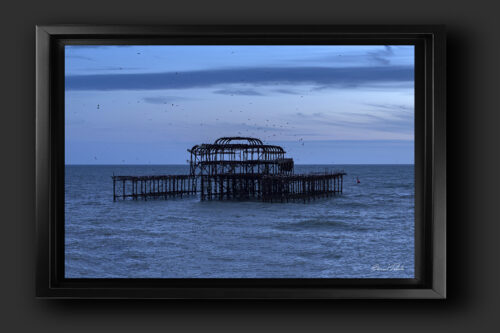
(202, 189)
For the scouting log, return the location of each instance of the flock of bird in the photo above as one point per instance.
(266, 131)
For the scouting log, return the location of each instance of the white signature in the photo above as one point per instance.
(389, 268)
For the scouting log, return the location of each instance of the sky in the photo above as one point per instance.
(325, 104)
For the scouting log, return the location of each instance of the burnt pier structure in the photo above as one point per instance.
(233, 168)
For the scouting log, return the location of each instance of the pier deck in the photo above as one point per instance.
(160, 186)
(267, 188)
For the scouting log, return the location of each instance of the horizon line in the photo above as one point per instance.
(155, 164)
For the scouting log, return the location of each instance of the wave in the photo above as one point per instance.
(320, 223)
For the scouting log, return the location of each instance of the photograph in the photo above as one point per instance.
(239, 161)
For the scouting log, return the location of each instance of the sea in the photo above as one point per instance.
(365, 232)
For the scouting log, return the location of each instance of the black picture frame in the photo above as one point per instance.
(430, 163)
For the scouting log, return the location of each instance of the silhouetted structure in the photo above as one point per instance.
(234, 168)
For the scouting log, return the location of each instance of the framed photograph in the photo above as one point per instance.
(241, 162)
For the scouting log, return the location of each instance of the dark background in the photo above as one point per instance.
(473, 150)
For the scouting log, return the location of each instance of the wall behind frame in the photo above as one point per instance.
(473, 149)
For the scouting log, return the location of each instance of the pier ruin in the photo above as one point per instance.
(233, 168)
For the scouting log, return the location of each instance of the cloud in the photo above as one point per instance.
(320, 76)
(397, 124)
(111, 68)
(397, 121)
(378, 57)
(392, 107)
(75, 56)
(160, 99)
(381, 57)
(315, 114)
(286, 91)
(243, 92)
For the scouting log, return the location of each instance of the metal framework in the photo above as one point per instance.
(234, 168)
(239, 155)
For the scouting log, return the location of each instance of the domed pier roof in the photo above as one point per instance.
(236, 143)
(228, 140)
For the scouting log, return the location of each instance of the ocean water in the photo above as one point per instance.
(366, 232)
